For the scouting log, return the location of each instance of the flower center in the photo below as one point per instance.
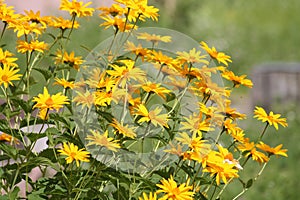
(49, 102)
(4, 78)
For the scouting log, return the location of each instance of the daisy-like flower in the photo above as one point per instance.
(63, 24)
(152, 116)
(103, 140)
(214, 54)
(237, 80)
(152, 196)
(36, 17)
(119, 23)
(192, 56)
(23, 27)
(195, 142)
(84, 99)
(196, 124)
(272, 150)
(250, 150)
(123, 129)
(114, 10)
(6, 58)
(271, 118)
(8, 74)
(155, 39)
(69, 59)
(63, 82)
(73, 153)
(220, 169)
(160, 58)
(155, 88)
(50, 102)
(126, 72)
(139, 51)
(172, 191)
(33, 45)
(77, 8)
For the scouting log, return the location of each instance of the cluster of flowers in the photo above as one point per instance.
(154, 104)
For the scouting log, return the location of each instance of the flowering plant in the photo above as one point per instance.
(144, 116)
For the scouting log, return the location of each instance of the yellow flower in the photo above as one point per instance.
(196, 124)
(123, 129)
(155, 88)
(152, 196)
(7, 59)
(51, 102)
(23, 27)
(118, 23)
(35, 17)
(126, 72)
(71, 151)
(249, 148)
(139, 51)
(103, 140)
(114, 10)
(69, 59)
(154, 38)
(271, 118)
(63, 24)
(84, 98)
(272, 150)
(195, 142)
(237, 80)
(173, 192)
(8, 74)
(33, 45)
(214, 54)
(63, 82)
(152, 116)
(77, 8)
(192, 56)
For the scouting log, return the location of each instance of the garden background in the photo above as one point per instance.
(252, 32)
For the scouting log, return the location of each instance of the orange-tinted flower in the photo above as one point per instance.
(33, 45)
(271, 118)
(8, 74)
(76, 8)
(214, 54)
(237, 80)
(73, 153)
(272, 150)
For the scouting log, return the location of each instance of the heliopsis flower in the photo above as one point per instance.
(103, 140)
(152, 116)
(154, 38)
(237, 80)
(69, 59)
(172, 191)
(250, 150)
(140, 10)
(162, 59)
(36, 17)
(73, 153)
(195, 142)
(8, 74)
(76, 8)
(192, 56)
(139, 51)
(196, 124)
(123, 129)
(126, 72)
(221, 170)
(84, 99)
(272, 150)
(150, 87)
(119, 23)
(63, 24)
(51, 102)
(7, 59)
(23, 27)
(33, 45)
(271, 118)
(63, 82)
(214, 54)
(114, 10)
(152, 196)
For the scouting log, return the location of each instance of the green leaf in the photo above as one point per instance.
(249, 183)
(26, 106)
(9, 150)
(13, 195)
